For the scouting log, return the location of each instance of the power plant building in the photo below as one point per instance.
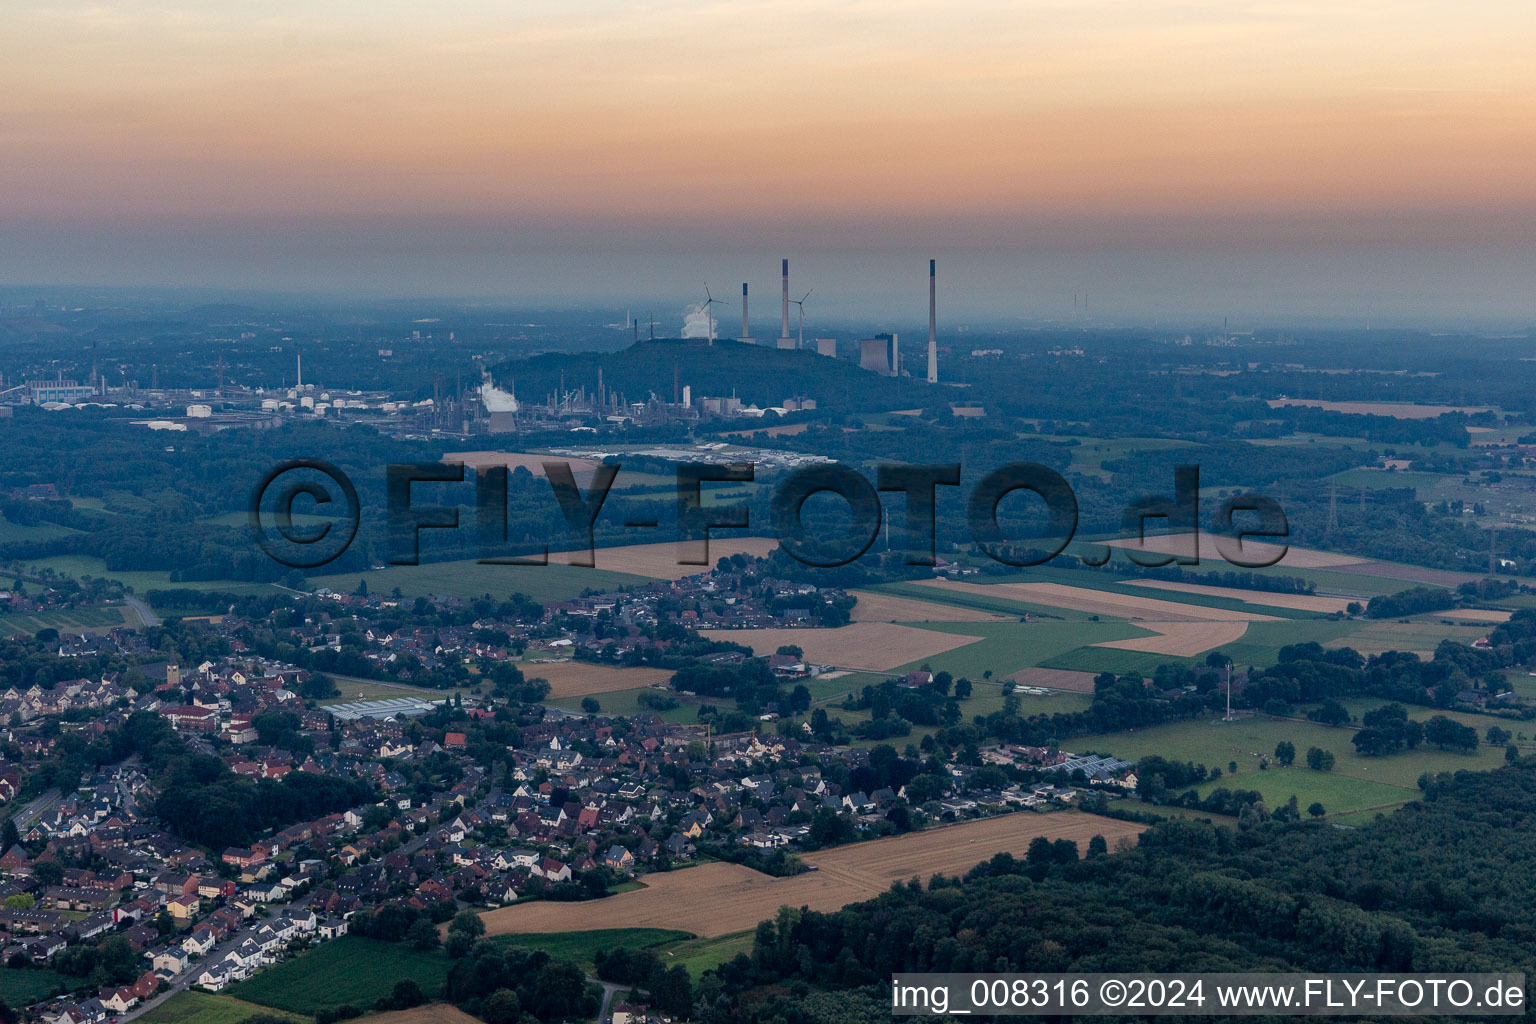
(881, 355)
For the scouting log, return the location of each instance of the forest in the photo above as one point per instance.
(1444, 884)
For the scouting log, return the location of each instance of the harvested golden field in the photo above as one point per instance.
(1300, 602)
(1295, 558)
(1474, 615)
(1054, 679)
(868, 646)
(1397, 410)
(1181, 639)
(579, 678)
(659, 561)
(718, 899)
(874, 606)
(1100, 602)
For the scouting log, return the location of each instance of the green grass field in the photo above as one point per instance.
(95, 619)
(1356, 783)
(29, 984)
(204, 1008)
(351, 970)
(582, 947)
(140, 581)
(469, 579)
(700, 955)
(1421, 634)
(1006, 647)
(353, 688)
(11, 533)
(627, 702)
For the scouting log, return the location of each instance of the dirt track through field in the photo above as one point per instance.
(1181, 639)
(1299, 602)
(874, 606)
(719, 899)
(578, 678)
(867, 646)
(1101, 602)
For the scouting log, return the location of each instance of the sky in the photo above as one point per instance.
(1344, 158)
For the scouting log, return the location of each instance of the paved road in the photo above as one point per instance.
(145, 613)
(609, 989)
(34, 811)
(213, 956)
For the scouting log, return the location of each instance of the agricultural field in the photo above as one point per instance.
(700, 955)
(92, 619)
(871, 646)
(350, 969)
(1181, 639)
(139, 581)
(1005, 647)
(21, 986)
(581, 678)
(1054, 678)
(1295, 602)
(467, 578)
(582, 947)
(1356, 782)
(353, 689)
(881, 606)
(431, 1013)
(627, 702)
(1421, 635)
(11, 533)
(205, 1008)
(1397, 410)
(659, 561)
(718, 899)
(1102, 602)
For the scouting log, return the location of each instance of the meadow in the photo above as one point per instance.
(467, 578)
(91, 619)
(21, 986)
(349, 970)
(205, 1008)
(1356, 782)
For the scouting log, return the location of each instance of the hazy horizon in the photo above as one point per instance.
(1172, 161)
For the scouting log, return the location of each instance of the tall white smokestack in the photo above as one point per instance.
(746, 334)
(784, 320)
(933, 343)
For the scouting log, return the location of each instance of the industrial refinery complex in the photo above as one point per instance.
(486, 407)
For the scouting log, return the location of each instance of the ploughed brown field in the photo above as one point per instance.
(1054, 679)
(579, 678)
(719, 899)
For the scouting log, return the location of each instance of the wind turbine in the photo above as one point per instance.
(709, 308)
(801, 303)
